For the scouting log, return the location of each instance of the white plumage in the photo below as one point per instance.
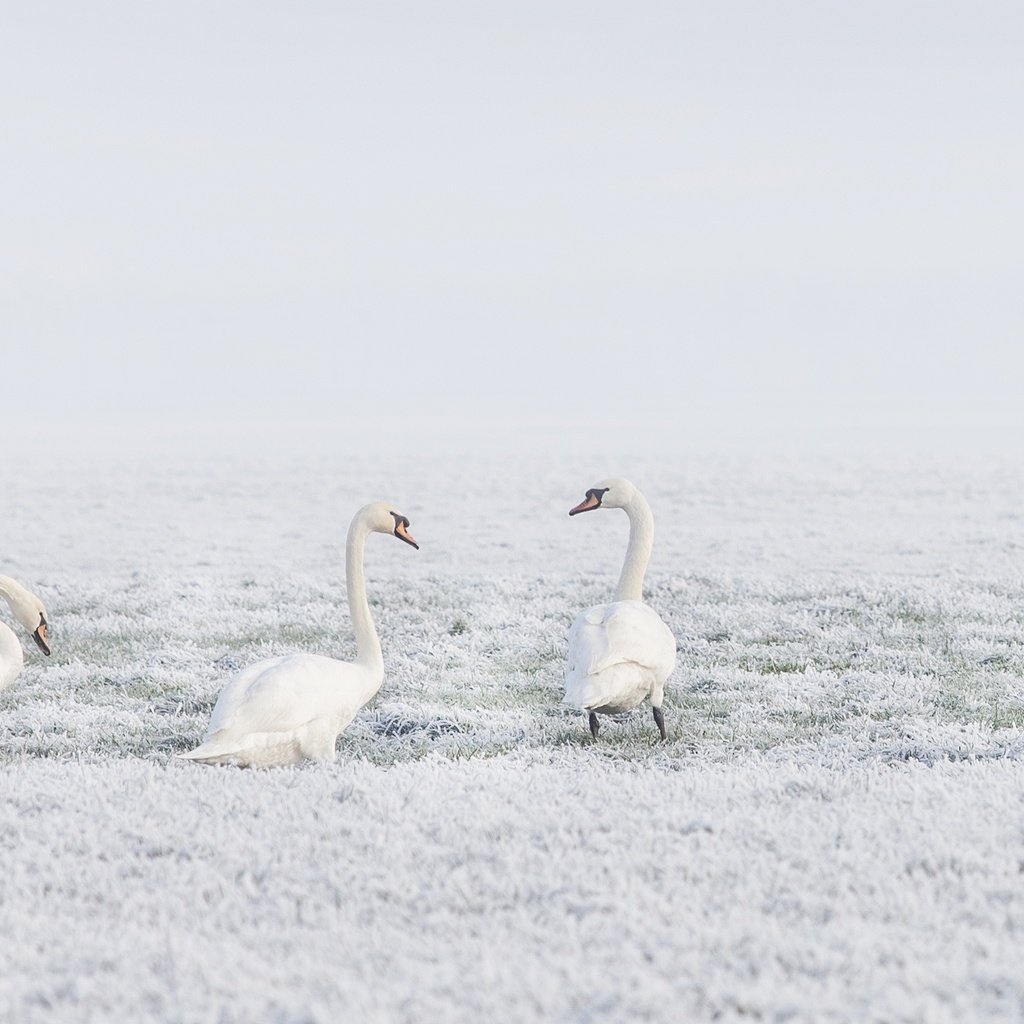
(30, 612)
(290, 709)
(285, 710)
(620, 654)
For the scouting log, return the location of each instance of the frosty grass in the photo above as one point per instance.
(834, 831)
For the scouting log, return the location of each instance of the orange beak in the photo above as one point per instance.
(590, 502)
(40, 638)
(402, 533)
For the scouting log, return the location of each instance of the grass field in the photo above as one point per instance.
(834, 830)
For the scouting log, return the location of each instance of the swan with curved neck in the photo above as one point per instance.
(620, 654)
(30, 612)
(290, 709)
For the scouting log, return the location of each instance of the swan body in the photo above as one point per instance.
(31, 613)
(285, 710)
(290, 709)
(621, 653)
(12, 658)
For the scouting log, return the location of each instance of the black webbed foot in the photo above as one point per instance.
(594, 726)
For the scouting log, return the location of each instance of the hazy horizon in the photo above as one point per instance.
(728, 224)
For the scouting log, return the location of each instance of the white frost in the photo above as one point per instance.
(831, 833)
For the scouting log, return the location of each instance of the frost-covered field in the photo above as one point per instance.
(834, 831)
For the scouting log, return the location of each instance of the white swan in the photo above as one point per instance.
(620, 653)
(285, 710)
(29, 611)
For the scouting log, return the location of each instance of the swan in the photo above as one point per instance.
(621, 653)
(30, 612)
(287, 709)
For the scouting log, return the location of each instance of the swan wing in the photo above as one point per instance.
(267, 696)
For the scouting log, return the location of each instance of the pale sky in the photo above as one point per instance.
(717, 218)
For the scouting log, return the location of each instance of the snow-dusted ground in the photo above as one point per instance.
(835, 830)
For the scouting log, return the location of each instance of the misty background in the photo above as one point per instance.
(689, 223)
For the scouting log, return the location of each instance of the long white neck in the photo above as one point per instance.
(638, 553)
(12, 590)
(367, 643)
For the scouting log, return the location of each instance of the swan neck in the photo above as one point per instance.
(11, 590)
(367, 642)
(638, 553)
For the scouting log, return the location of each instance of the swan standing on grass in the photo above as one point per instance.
(29, 611)
(285, 710)
(620, 653)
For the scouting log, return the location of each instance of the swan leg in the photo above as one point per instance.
(594, 726)
(659, 721)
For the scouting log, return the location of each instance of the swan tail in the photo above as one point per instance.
(257, 750)
(214, 752)
(208, 755)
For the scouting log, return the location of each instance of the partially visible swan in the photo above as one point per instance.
(29, 611)
(621, 653)
(285, 710)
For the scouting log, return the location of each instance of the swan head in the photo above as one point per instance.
(612, 493)
(384, 517)
(31, 613)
